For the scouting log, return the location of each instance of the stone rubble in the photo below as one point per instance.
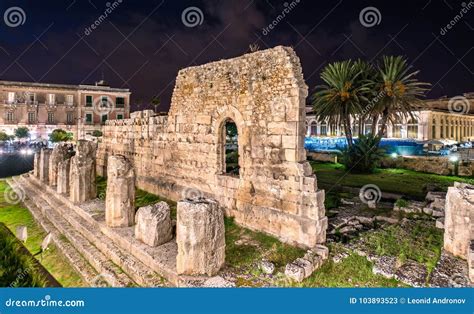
(154, 224)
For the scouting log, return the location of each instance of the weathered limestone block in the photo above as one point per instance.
(59, 153)
(470, 261)
(63, 176)
(200, 237)
(459, 216)
(36, 164)
(120, 196)
(82, 186)
(154, 224)
(44, 165)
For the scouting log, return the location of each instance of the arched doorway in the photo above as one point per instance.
(231, 148)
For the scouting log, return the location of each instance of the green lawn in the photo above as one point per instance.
(410, 184)
(56, 264)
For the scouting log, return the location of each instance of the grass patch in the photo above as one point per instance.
(410, 183)
(54, 262)
(418, 240)
(17, 269)
(244, 247)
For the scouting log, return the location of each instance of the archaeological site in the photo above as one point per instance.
(156, 201)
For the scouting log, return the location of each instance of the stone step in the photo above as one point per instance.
(107, 270)
(76, 260)
(139, 272)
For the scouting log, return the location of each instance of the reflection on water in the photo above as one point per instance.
(12, 164)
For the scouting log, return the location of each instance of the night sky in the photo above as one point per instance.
(141, 45)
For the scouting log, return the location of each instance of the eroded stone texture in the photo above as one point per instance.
(59, 153)
(154, 224)
(63, 176)
(44, 165)
(200, 237)
(459, 218)
(120, 195)
(82, 186)
(264, 93)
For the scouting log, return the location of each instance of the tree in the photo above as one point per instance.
(60, 135)
(342, 95)
(4, 136)
(22, 132)
(156, 103)
(401, 91)
(97, 133)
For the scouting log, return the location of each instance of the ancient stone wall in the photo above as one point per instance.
(437, 165)
(182, 155)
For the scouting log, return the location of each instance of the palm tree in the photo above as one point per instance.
(401, 91)
(340, 98)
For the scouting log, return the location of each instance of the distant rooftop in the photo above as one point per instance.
(99, 86)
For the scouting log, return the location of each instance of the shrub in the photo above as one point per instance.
(59, 135)
(97, 133)
(364, 156)
(401, 203)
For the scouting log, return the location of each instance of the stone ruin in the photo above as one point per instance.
(120, 195)
(59, 154)
(183, 154)
(459, 223)
(43, 172)
(82, 173)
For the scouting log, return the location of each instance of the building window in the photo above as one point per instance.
(441, 129)
(88, 101)
(231, 148)
(324, 130)
(11, 97)
(104, 100)
(69, 100)
(89, 118)
(120, 117)
(412, 128)
(70, 117)
(30, 97)
(31, 117)
(119, 102)
(104, 118)
(10, 116)
(50, 117)
(314, 129)
(433, 129)
(51, 99)
(397, 130)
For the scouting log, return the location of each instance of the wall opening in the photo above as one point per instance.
(231, 148)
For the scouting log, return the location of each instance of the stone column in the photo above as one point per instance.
(120, 197)
(82, 186)
(44, 165)
(459, 217)
(200, 237)
(63, 176)
(59, 153)
(36, 164)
